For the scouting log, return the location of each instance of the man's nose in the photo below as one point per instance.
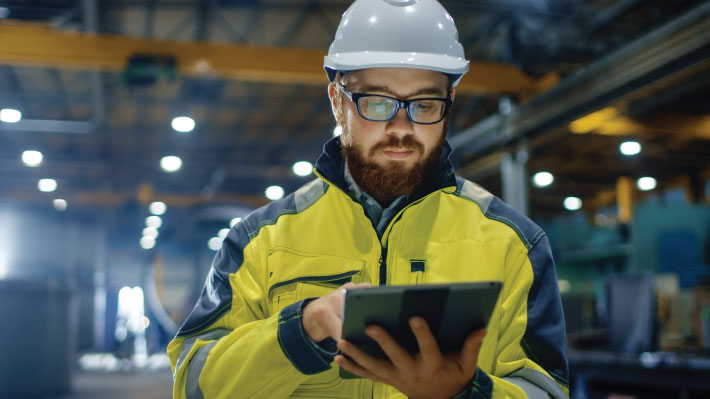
(400, 125)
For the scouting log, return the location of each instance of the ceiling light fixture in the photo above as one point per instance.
(646, 183)
(157, 208)
(302, 168)
(153, 221)
(572, 203)
(274, 193)
(214, 243)
(543, 179)
(630, 148)
(171, 163)
(147, 242)
(60, 204)
(183, 124)
(47, 185)
(32, 158)
(9, 115)
(150, 232)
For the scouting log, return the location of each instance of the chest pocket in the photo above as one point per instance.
(296, 275)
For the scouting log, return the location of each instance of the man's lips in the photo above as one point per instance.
(398, 154)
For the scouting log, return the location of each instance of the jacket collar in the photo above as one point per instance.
(331, 167)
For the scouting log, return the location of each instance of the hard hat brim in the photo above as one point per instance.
(383, 59)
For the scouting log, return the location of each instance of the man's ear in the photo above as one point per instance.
(333, 97)
(453, 94)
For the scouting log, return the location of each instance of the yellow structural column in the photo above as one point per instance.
(624, 198)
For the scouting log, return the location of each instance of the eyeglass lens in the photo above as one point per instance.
(382, 108)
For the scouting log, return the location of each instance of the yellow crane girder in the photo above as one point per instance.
(30, 44)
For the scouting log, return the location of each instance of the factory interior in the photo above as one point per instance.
(135, 133)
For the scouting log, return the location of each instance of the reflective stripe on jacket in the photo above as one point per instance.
(244, 338)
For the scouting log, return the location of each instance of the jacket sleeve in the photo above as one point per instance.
(530, 357)
(229, 346)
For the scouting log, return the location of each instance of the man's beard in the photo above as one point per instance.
(386, 183)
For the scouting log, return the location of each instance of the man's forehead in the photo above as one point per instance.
(399, 81)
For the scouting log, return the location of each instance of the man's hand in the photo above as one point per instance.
(428, 374)
(323, 317)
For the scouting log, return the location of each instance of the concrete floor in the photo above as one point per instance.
(119, 385)
(127, 385)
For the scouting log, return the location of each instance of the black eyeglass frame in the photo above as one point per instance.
(355, 98)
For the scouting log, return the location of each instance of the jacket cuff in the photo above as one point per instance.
(481, 386)
(298, 348)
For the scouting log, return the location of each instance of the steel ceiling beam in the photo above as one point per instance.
(31, 45)
(676, 47)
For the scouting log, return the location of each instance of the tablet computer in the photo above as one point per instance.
(452, 311)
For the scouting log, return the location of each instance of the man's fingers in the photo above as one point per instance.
(373, 365)
(396, 353)
(340, 295)
(428, 347)
(471, 348)
(355, 368)
(353, 285)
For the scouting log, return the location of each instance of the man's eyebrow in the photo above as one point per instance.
(385, 89)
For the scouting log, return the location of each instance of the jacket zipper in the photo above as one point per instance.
(383, 266)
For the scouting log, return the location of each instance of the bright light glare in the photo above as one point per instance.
(274, 192)
(150, 232)
(573, 203)
(223, 233)
(646, 183)
(32, 158)
(171, 163)
(543, 179)
(147, 242)
(60, 204)
(47, 185)
(337, 131)
(630, 148)
(302, 168)
(130, 315)
(9, 115)
(215, 243)
(183, 124)
(153, 221)
(234, 221)
(157, 208)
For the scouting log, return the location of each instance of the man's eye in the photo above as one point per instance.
(423, 106)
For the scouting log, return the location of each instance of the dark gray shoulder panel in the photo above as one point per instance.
(545, 339)
(494, 208)
(296, 202)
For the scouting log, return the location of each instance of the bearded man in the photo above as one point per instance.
(386, 208)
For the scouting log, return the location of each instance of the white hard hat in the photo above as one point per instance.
(396, 33)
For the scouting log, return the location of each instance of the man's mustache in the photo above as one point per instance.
(407, 142)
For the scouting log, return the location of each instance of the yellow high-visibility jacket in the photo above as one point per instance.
(244, 338)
